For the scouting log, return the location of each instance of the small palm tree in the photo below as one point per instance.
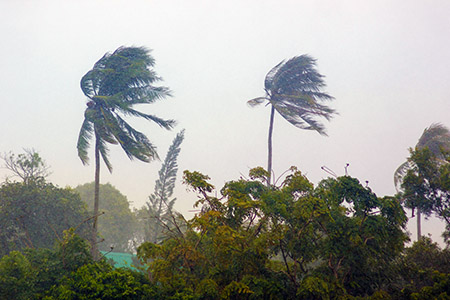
(436, 138)
(294, 89)
(117, 82)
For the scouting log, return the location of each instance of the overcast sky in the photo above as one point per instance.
(386, 63)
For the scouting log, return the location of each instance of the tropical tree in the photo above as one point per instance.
(116, 83)
(294, 89)
(159, 211)
(291, 241)
(437, 139)
(28, 166)
(35, 214)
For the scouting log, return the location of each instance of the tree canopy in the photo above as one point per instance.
(260, 241)
(28, 166)
(35, 214)
(116, 83)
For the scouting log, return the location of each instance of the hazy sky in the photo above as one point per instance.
(386, 63)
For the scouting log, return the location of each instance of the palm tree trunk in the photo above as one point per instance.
(419, 229)
(269, 163)
(94, 250)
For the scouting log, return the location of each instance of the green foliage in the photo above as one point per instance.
(100, 281)
(293, 241)
(260, 241)
(426, 184)
(436, 139)
(34, 214)
(16, 277)
(313, 288)
(28, 166)
(439, 290)
(197, 181)
(117, 224)
(414, 175)
(68, 272)
(34, 273)
(418, 266)
(72, 251)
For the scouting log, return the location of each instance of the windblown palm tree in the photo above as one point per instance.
(294, 89)
(436, 138)
(117, 82)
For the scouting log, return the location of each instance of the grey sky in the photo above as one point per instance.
(386, 63)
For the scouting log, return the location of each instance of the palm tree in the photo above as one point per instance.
(436, 138)
(117, 82)
(294, 89)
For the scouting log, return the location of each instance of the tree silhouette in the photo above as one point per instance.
(294, 89)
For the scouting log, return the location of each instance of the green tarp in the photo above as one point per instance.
(121, 260)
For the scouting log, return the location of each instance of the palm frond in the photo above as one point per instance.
(83, 141)
(126, 71)
(103, 125)
(306, 102)
(167, 124)
(143, 94)
(303, 111)
(400, 173)
(256, 101)
(298, 74)
(104, 133)
(104, 152)
(436, 138)
(135, 144)
(268, 82)
(300, 118)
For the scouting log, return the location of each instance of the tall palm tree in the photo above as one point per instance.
(436, 138)
(294, 89)
(117, 82)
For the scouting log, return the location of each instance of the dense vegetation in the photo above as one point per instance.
(337, 240)
(34, 214)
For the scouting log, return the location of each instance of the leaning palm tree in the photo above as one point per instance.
(294, 89)
(117, 82)
(436, 138)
